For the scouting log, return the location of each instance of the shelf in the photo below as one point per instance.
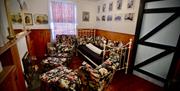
(13, 42)
(6, 71)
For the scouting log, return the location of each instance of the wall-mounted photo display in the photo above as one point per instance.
(28, 19)
(130, 4)
(119, 4)
(118, 17)
(98, 18)
(110, 6)
(109, 18)
(41, 19)
(16, 18)
(129, 17)
(103, 18)
(85, 16)
(104, 8)
(98, 8)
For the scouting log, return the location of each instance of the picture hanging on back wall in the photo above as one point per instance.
(41, 19)
(129, 17)
(103, 18)
(119, 4)
(109, 18)
(97, 18)
(130, 4)
(85, 16)
(28, 18)
(104, 8)
(118, 17)
(111, 6)
(16, 18)
(99, 9)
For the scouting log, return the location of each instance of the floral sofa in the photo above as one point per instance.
(97, 79)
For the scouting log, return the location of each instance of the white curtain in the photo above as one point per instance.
(62, 18)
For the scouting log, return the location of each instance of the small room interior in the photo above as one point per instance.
(89, 45)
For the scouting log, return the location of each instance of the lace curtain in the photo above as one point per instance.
(62, 18)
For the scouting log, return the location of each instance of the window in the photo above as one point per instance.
(62, 18)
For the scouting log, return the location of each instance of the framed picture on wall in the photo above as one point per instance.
(104, 8)
(28, 18)
(41, 19)
(103, 18)
(97, 18)
(118, 17)
(130, 4)
(16, 18)
(98, 8)
(119, 4)
(85, 16)
(109, 18)
(111, 6)
(129, 17)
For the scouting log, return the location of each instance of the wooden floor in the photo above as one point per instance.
(121, 81)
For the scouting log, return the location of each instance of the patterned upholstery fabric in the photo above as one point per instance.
(62, 78)
(97, 79)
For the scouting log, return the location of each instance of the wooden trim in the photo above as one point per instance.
(6, 71)
(160, 46)
(115, 36)
(162, 10)
(159, 27)
(137, 33)
(174, 65)
(151, 75)
(154, 58)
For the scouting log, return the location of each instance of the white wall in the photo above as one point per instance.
(117, 26)
(89, 6)
(41, 7)
(22, 48)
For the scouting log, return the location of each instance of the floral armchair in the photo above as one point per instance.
(98, 79)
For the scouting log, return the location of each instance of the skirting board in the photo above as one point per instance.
(161, 84)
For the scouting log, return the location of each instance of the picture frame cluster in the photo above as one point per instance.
(29, 19)
(105, 11)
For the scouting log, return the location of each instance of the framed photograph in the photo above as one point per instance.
(111, 6)
(85, 16)
(109, 18)
(118, 17)
(41, 19)
(119, 4)
(129, 17)
(97, 18)
(104, 8)
(99, 9)
(103, 18)
(28, 18)
(130, 4)
(16, 18)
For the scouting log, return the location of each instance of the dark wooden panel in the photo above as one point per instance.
(38, 40)
(115, 35)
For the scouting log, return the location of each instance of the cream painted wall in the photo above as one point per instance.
(117, 26)
(41, 7)
(89, 6)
